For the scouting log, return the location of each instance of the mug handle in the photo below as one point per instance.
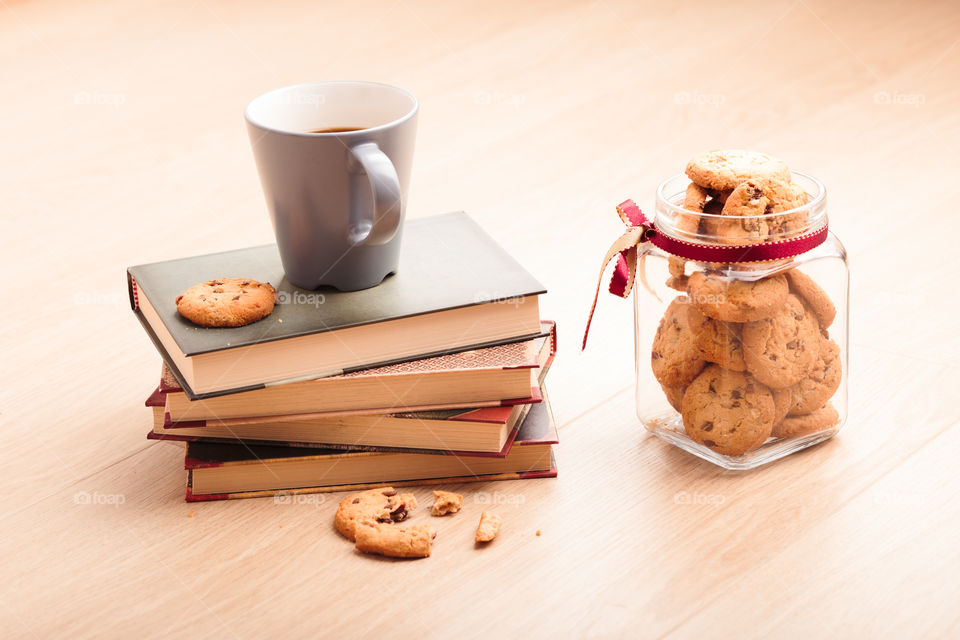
(385, 220)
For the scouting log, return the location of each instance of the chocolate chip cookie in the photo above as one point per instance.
(674, 358)
(678, 278)
(748, 199)
(395, 541)
(714, 224)
(695, 200)
(785, 196)
(782, 350)
(674, 396)
(377, 505)
(723, 298)
(718, 341)
(815, 297)
(727, 168)
(720, 195)
(782, 401)
(728, 411)
(823, 419)
(782, 195)
(821, 383)
(749, 203)
(226, 302)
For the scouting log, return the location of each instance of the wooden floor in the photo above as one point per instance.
(123, 143)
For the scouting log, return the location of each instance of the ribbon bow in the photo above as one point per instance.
(640, 231)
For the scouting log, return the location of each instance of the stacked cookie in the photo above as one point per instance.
(746, 360)
(748, 189)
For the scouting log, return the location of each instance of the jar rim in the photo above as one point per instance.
(812, 203)
(670, 211)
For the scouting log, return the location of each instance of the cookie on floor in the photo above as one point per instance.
(378, 505)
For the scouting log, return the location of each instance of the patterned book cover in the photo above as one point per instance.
(529, 354)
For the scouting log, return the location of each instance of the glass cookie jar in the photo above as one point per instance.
(741, 361)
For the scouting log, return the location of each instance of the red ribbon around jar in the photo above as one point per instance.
(640, 231)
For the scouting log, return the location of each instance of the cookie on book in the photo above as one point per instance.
(446, 502)
(489, 526)
(378, 505)
(395, 541)
(227, 302)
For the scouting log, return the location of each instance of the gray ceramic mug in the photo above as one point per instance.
(336, 199)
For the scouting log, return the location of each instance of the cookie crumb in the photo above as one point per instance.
(538, 533)
(489, 526)
(192, 512)
(445, 503)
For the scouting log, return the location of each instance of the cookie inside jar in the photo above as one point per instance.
(747, 355)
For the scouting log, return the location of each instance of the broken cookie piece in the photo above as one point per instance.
(489, 526)
(379, 505)
(446, 502)
(392, 540)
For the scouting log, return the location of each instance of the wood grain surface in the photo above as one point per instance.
(123, 143)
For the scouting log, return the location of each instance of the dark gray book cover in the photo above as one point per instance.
(447, 261)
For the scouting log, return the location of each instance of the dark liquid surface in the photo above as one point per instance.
(335, 130)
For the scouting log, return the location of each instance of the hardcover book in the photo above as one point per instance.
(472, 431)
(223, 471)
(463, 432)
(469, 431)
(505, 374)
(457, 290)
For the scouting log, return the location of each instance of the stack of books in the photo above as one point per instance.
(434, 376)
